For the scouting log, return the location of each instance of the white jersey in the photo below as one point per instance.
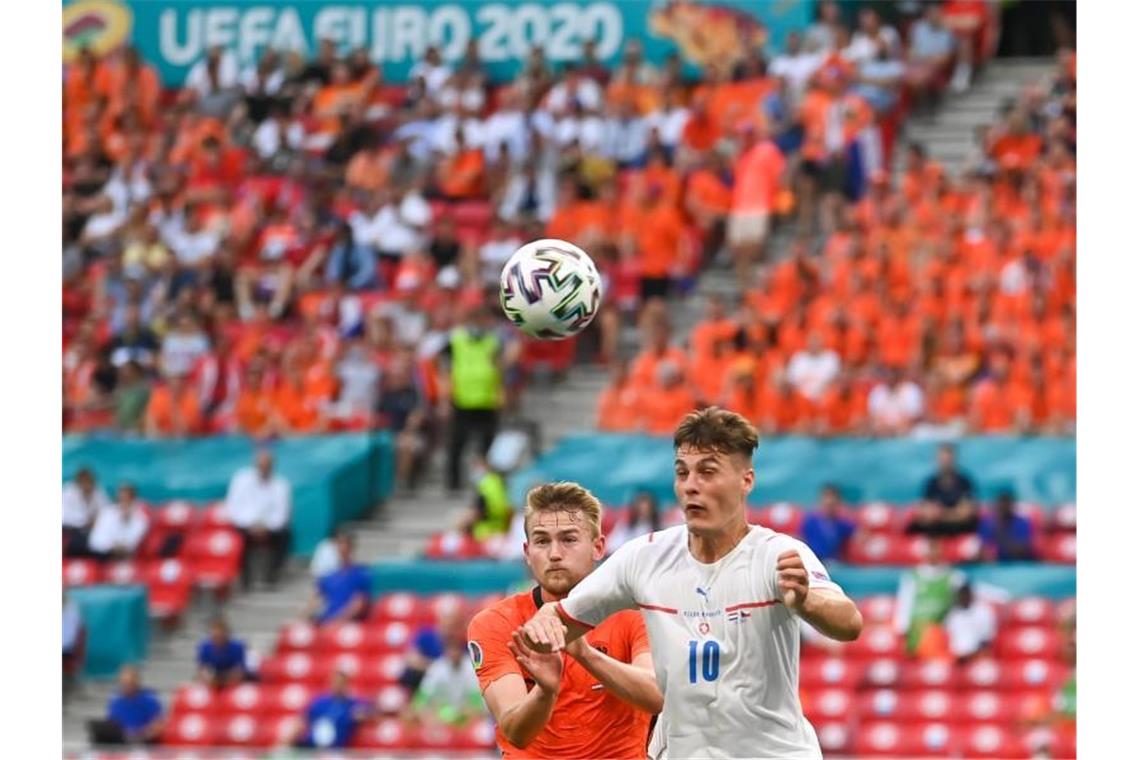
(725, 648)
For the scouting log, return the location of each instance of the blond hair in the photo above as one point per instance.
(716, 429)
(564, 497)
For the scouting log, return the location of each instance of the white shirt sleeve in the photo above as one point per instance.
(606, 590)
(282, 505)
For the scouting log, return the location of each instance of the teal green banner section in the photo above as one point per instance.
(175, 34)
(793, 469)
(117, 626)
(487, 577)
(335, 478)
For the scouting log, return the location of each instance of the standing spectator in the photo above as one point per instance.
(259, 504)
(403, 410)
(827, 531)
(759, 176)
(83, 500)
(813, 369)
(930, 55)
(895, 404)
(428, 645)
(641, 517)
(134, 715)
(948, 507)
(970, 625)
(925, 595)
(473, 365)
(331, 719)
(1006, 535)
(449, 693)
(221, 658)
(490, 514)
(344, 594)
(120, 529)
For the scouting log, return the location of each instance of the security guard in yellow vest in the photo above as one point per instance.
(473, 368)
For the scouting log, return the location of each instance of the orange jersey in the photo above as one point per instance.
(587, 720)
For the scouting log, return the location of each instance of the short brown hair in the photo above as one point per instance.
(564, 497)
(716, 429)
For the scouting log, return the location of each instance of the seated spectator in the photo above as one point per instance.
(641, 517)
(344, 594)
(895, 404)
(449, 693)
(812, 370)
(428, 645)
(83, 500)
(947, 507)
(404, 411)
(259, 505)
(970, 625)
(173, 409)
(827, 531)
(221, 658)
(490, 513)
(926, 594)
(134, 714)
(74, 641)
(617, 404)
(331, 719)
(350, 262)
(1006, 535)
(667, 401)
(930, 55)
(120, 528)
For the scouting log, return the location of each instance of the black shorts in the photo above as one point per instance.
(655, 287)
(828, 175)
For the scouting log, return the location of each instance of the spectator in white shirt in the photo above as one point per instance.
(259, 505)
(895, 405)
(880, 78)
(435, 73)
(499, 247)
(83, 499)
(215, 81)
(796, 66)
(864, 45)
(277, 133)
(671, 118)
(823, 35)
(574, 89)
(529, 195)
(970, 624)
(930, 54)
(193, 244)
(120, 529)
(814, 368)
(581, 126)
(508, 125)
(183, 346)
(626, 136)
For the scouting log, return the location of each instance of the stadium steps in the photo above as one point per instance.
(949, 134)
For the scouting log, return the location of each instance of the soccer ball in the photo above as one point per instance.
(550, 289)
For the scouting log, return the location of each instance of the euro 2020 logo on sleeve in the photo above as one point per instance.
(476, 652)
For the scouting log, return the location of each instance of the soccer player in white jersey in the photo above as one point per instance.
(720, 600)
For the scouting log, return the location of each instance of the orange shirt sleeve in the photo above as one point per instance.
(487, 637)
(634, 632)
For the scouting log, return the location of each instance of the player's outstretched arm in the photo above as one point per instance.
(633, 682)
(828, 611)
(550, 631)
(521, 714)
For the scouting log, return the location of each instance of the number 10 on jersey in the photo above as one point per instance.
(710, 661)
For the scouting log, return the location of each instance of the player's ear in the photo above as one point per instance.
(599, 547)
(749, 479)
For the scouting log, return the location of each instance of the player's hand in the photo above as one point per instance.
(578, 648)
(544, 633)
(792, 579)
(545, 669)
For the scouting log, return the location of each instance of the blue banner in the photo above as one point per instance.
(173, 35)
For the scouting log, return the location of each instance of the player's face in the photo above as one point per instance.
(561, 550)
(711, 488)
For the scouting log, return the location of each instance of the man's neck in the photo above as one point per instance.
(710, 547)
(549, 597)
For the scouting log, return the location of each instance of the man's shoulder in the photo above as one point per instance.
(505, 614)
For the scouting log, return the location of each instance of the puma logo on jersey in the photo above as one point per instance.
(703, 593)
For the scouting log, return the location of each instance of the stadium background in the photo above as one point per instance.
(142, 611)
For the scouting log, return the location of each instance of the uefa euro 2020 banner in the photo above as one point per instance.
(174, 34)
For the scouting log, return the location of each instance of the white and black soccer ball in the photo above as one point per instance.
(550, 289)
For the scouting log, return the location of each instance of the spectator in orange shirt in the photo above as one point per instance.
(253, 413)
(715, 327)
(296, 411)
(759, 176)
(743, 397)
(992, 405)
(461, 176)
(782, 409)
(662, 244)
(644, 370)
(617, 404)
(708, 200)
(173, 409)
(842, 409)
(664, 404)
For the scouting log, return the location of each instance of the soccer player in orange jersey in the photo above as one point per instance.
(597, 698)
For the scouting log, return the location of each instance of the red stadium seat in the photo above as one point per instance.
(879, 608)
(1028, 641)
(392, 699)
(1013, 676)
(961, 548)
(445, 603)
(386, 734)
(890, 739)
(81, 572)
(1064, 518)
(408, 608)
(993, 741)
(1061, 547)
(454, 545)
(826, 705)
(354, 637)
(994, 706)
(880, 517)
(548, 355)
(876, 641)
(906, 707)
(192, 730)
(934, 674)
(214, 516)
(169, 586)
(283, 727)
(830, 672)
(297, 637)
(1030, 610)
(477, 735)
(782, 518)
(177, 516)
(194, 698)
(472, 213)
(610, 518)
(288, 699)
(246, 731)
(1060, 744)
(124, 573)
(291, 667)
(886, 549)
(215, 556)
(834, 737)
